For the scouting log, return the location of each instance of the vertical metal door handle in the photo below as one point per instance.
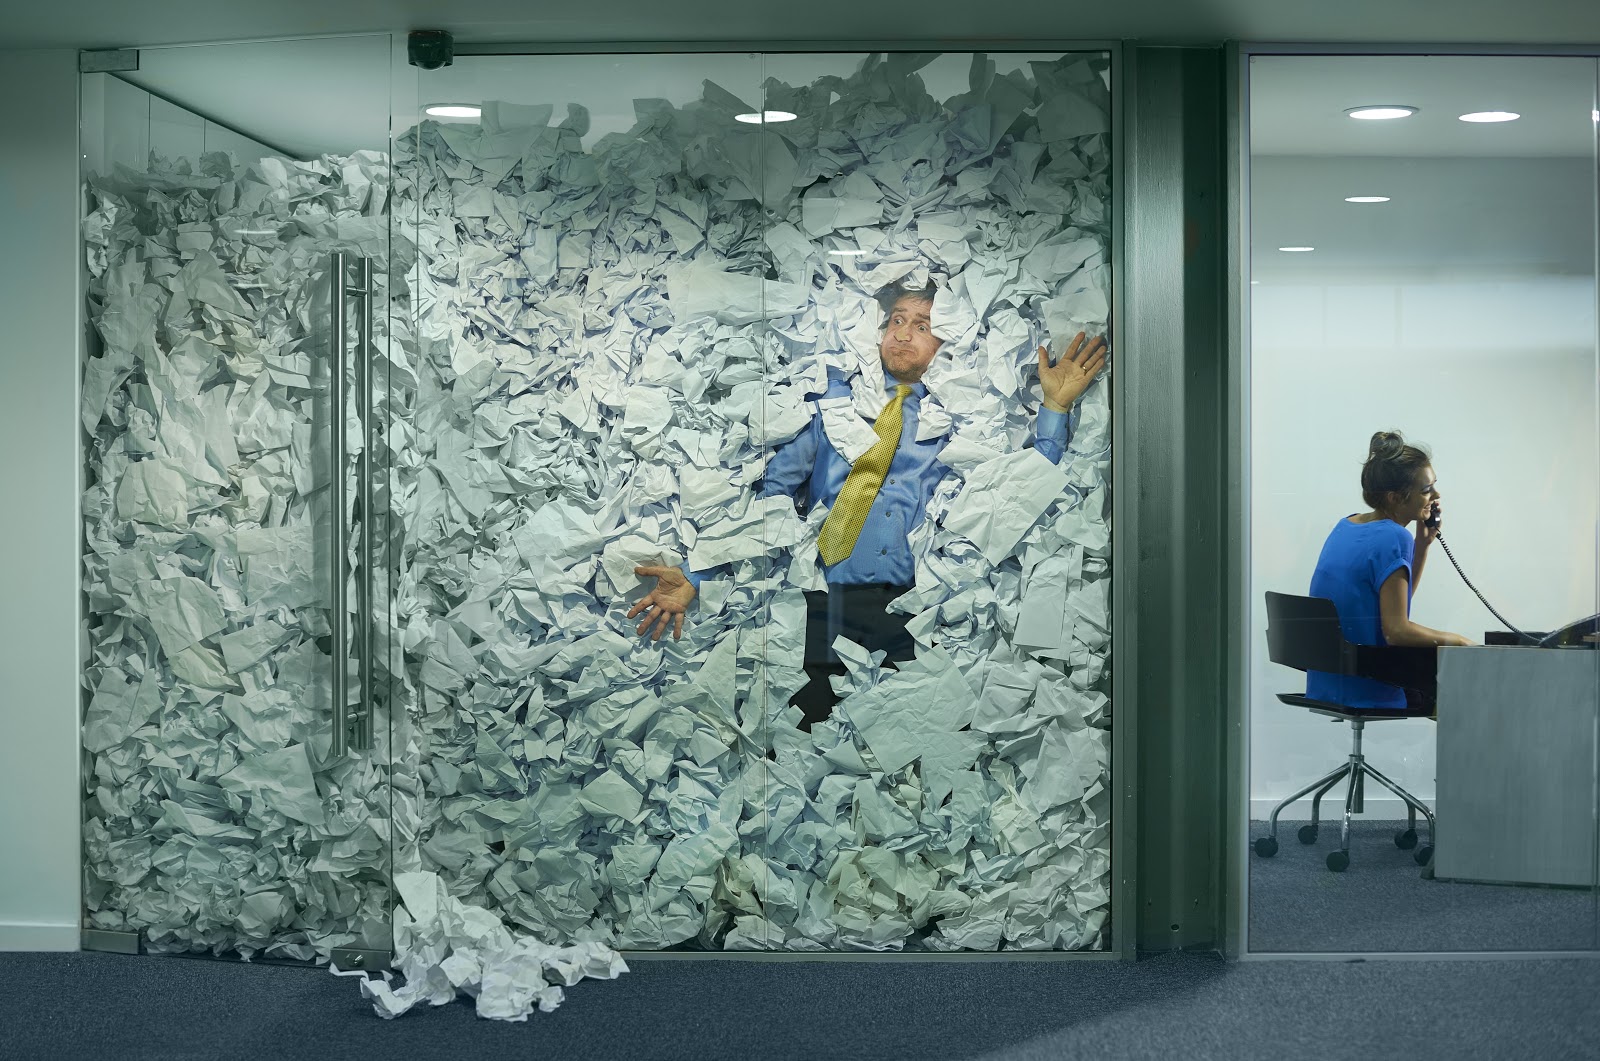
(337, 601)
(352, 726)
(363, 727)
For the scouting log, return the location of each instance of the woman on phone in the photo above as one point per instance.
(1371, 564)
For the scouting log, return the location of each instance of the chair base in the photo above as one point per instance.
(1354, 771)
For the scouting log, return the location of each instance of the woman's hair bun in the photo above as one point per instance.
(1386, 445)
(1392, 466)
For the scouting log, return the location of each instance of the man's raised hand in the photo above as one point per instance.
(1064, 382)
(666, 603)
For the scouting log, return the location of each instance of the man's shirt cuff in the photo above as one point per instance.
(1054, 425)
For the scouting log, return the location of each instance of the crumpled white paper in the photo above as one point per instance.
(444, 946)
(596, 354)
(624, 334)
(215, 818)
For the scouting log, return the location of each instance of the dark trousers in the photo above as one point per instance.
(860, 614)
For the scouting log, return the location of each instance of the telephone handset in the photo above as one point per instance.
(1432, 522)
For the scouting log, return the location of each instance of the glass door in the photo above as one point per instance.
(240, 285)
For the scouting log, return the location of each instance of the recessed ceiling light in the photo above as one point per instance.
(765, 117)
(1297, 250)
(1254, 282)
(1491, 116)
(1366, 198)
(847, 254)
(1378, 114)
(453, 110)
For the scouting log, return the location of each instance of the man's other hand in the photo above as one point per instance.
(666, 603)
(1064, 382)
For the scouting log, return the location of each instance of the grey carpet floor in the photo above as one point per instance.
(1382, 903)
(1169, 1007)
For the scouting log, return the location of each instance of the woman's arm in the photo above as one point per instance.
(1398, 629)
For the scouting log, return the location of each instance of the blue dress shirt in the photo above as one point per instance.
(1356, 560)
(883, 551)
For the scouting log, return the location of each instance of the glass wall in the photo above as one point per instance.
(756, 578)
(1426, 270)
(240, 291)
(665, 497)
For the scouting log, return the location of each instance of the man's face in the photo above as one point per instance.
(908, 345)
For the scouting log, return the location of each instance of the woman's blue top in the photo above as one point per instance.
(1355, 561)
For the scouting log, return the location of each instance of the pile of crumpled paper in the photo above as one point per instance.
(215, 817)
(587, 354)
(611, 341)
(444, 946)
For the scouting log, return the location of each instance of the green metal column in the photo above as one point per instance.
(1176, 460)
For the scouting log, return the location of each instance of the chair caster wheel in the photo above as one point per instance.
(1338, 861)
(1406, 840)
(1266, 846)
(1423, 854)
(1308, 834)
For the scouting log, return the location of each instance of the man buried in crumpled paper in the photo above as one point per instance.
(874, 502)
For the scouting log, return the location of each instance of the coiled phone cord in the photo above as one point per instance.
(1504, 621)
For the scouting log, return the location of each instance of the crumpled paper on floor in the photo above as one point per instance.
(444, 947)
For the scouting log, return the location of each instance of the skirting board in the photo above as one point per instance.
(1378, 808)
(24, 936)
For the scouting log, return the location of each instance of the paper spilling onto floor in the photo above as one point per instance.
(444, 947)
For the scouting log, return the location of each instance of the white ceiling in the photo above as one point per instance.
(112, 23)
(1297, 105)
(1517, 198)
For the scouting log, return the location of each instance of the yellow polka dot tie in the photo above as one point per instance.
(849, 512)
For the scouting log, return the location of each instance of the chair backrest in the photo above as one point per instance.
(1304, 633)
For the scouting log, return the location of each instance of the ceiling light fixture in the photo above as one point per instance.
(1297, 250)
(765, 117)
(1366, 198)
(453, 110)
(847, 253)
(1379, 114)
(1490, 116)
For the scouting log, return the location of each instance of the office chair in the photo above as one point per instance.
(1304, 633)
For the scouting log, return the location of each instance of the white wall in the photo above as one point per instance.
(1498, 377)
(39, 882)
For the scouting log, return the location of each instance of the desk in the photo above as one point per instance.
(1516, 766)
